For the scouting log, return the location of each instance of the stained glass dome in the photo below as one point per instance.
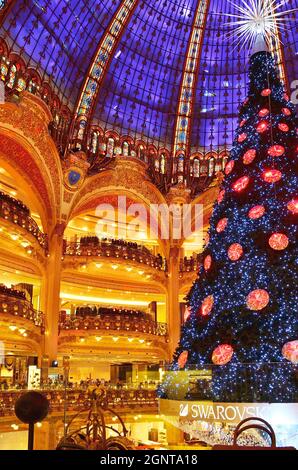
(164, 71)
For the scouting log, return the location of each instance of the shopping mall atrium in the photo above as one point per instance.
(148, 222)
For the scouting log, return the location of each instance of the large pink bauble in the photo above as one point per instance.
(262, 126)
(276, 150)
(235, 251)
(242, 137)
(221, 196)
(266, 92)
(187, 313)
(286, 111)
(278, 241)
(293, 206)
(263, 112)
(222, 225)
(222, 354)
(207, 262)
(256, 212)
(207, 305)
(290, 351)
(240, 184)
(257, 299)
(271, 176)
(229, 167)
(249, 156)
(283, 127)
(182, 359)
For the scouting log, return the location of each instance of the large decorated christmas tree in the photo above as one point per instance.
(243, 308)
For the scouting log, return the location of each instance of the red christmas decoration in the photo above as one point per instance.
(222, 354)
(249, 156)
(286, 97)
(207, 305)
(276, 151)
(221, 196)
(235, 251)
(229, 167)
(207, 262)
(187, 313)
(242, 137)
(271, 176)
(278, 241)
(262, 126)
(242, 123)
(240, 184)
(266, 92)
(182, 359)
(293, 206)
(222, 225)
(286, 111)
(264, 112)
(256, 212)
(257, 299)
(290, 351)
(283, 127)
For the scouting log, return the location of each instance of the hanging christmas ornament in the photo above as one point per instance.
(182, 359)
(221, 196)
(207, 239)
(222, 354)
(220, 227)
(257, 299)
(207, 305)
(286, 111)
(242, 137)
(256, 212)
(266, 92)
(271, 176)
(262, 126)
(187, 313)
(242, 123)
(249, 156)
(290, 351)
(229, 167)
(264, 112)
(235, 252)
(278, 241)
(276, 150)
(240, 184)
(283, 127)
(207, 262)
(293, 206)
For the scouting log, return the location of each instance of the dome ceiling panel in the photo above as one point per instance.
(140, 89)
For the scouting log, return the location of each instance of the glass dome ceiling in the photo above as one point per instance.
(169, 72)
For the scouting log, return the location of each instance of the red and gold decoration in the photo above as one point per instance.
(229, 167)
(207, 305)
(293, 206)
(235, 251)
(182, 360)
(249, 156)
(272, 175)
(276, 150)
(242, 137)
(222, 224)
(207, 262)
(257, 299)
(240, 184)
(290, 351)
(222, 354)
(278, 241)
(256, 212)
(266, 92)
(262, 126)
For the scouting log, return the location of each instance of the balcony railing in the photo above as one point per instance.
(14, 213)
(189, 265)
(112, 250)
(21, 309)
(119, 323)
(78, 400)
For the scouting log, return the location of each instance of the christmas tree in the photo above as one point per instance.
(243, 307)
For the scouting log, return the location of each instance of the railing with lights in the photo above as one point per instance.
(21, 308)
(78, 400)
(14, 211)
(121, 323)
(113, 250)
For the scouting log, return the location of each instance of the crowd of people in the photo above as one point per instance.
(15, 202)
(11, 292)
(94, 311)
(189, 264)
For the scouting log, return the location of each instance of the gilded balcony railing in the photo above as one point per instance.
(75, 400)
(120, 323)
(15, 212)
(21, 308)
(100, 248)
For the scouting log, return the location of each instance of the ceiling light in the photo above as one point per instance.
(22, 330)
(98, 265)
(115, 338)
(12, 327)
(141, 341)
(14, 236)
(98, 338)
(114, 266)
(128, 268)
(130, 339)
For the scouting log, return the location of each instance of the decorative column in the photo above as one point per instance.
(51, 292)
(173, 313)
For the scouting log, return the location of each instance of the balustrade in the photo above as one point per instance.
(21, 308)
